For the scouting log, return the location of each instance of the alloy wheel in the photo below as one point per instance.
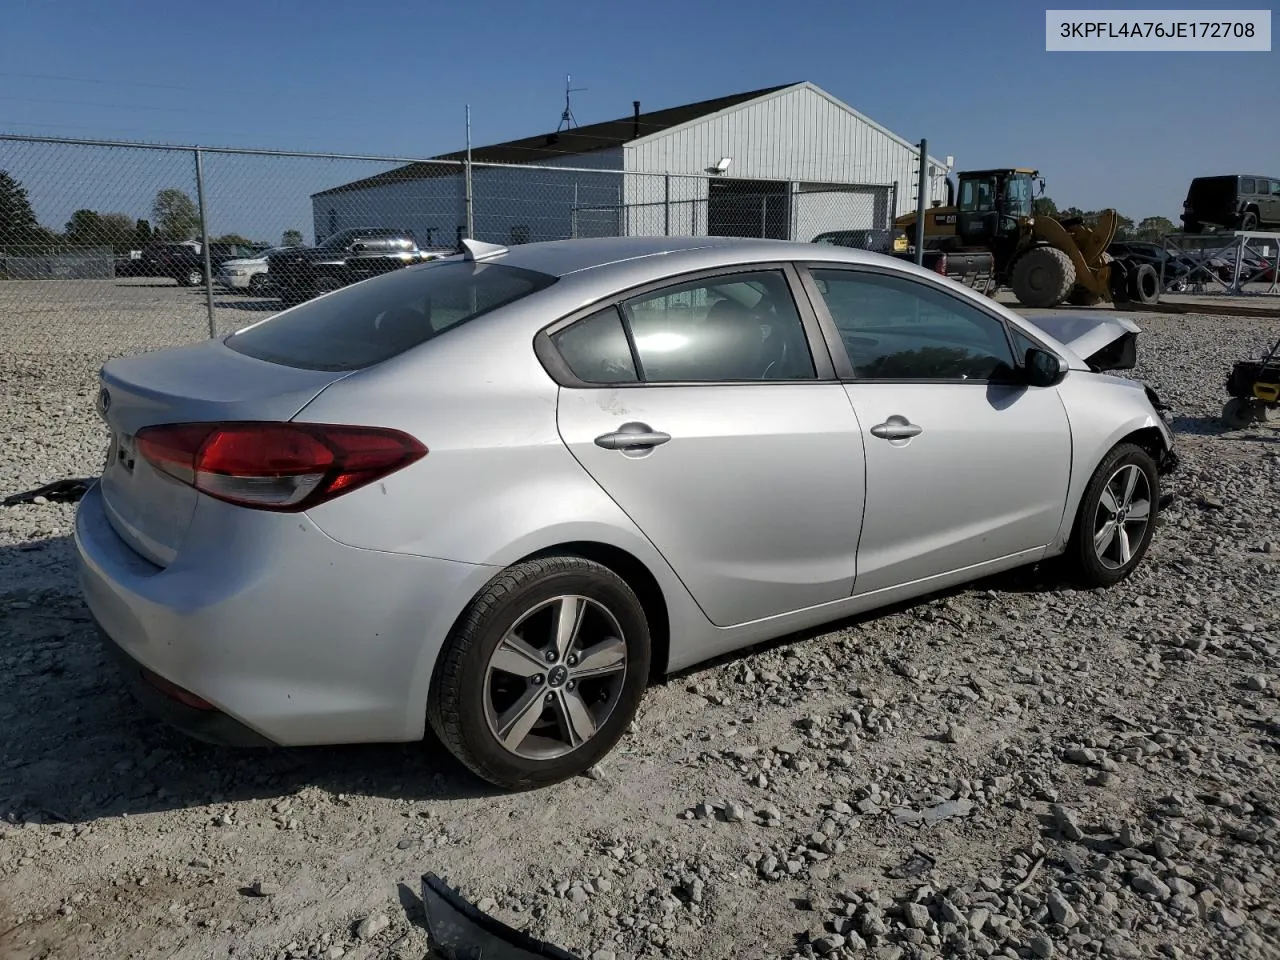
(1120, 522)
(555, 678)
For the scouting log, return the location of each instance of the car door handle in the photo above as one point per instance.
(896, 428)
(632, 436)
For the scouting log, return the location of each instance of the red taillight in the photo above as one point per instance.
(175, 692)
(276, 466)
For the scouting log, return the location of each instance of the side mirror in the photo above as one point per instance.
(1042, 368)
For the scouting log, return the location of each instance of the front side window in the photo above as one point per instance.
(895, 328)
(1018, 196)
(367, 323)
(740, 327)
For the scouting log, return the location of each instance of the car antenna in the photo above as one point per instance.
(476, 250)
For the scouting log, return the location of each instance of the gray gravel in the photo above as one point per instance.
(1015, 769)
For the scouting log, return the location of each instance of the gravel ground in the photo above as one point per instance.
(1015, 769)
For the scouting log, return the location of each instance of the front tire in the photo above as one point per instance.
(1116, 518)
(543, 673)
(1249, 221)
(1043, 277)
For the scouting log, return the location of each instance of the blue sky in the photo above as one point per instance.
(1125, 130)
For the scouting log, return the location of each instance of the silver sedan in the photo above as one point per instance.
(499, 493)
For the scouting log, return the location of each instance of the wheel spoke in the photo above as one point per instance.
(1130, 484)
(1102, 539)
(1125, 552)
(607, 656)
(517, 658)
(514, 725)
(1139, 511)
(576, 723)
(569, 611)
(1109, 501)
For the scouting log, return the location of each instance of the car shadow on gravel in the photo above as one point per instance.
(77, 747)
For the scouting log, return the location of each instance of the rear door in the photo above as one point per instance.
(699, 407)
(961, 469)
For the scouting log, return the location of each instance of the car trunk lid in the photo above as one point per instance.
(201, 383)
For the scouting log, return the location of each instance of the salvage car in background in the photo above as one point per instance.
(347, 257)
(498, 493)
(248, 274)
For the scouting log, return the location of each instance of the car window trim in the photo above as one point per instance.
(819, 350)
(835, 344)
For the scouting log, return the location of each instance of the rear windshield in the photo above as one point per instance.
(374, 321)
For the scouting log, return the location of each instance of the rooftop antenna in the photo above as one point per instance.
(567, 119)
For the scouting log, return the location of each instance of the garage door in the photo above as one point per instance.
(820, 208)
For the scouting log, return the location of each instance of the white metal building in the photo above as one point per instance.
(786, 162)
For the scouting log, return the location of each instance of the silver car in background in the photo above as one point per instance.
(248, 274)
(499, 493)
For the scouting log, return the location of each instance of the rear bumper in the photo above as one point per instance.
(283, 631)
(211, 726)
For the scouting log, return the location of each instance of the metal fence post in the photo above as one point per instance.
(471, 223)
(204, 243)
(922, 185)
(666, 205)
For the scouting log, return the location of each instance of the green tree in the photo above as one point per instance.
(1153, 228)
(1044, 207)
(18, 223)
(142, 233)
(176, 215)
(88, 228)
(291, 238)
(1124, 227)
(232, 238)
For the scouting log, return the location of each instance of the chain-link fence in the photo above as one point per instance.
(109, 248)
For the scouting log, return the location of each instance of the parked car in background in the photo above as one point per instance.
(1234, 202)
(248, 274)
(183, 262)
(349, 256)
(1175, 268)
(499, 493)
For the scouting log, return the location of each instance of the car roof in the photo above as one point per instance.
(561, 258)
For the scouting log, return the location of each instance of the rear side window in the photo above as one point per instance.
(596, 349)
(1247, 185)
(370, 322)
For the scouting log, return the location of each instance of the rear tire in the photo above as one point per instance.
(1144, 284)
(1103, 555)
(1043, 277)
(1237, 413)
(477, 690)
(325, 284)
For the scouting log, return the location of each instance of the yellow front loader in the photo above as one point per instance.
(1043, 260)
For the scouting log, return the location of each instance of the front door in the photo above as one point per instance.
(961, 468)
(716, 437)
